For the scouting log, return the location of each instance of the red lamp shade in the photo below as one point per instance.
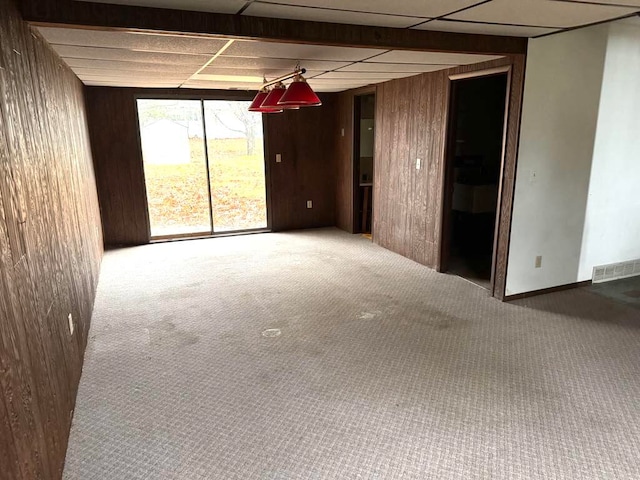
(257, 104)
(271, 101)
(299, 94)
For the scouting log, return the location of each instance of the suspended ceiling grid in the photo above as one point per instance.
(113, 58)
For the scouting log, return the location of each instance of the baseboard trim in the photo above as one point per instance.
(543, 291)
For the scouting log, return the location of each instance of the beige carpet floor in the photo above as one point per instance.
(319, 355)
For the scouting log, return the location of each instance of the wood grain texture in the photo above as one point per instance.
(106, 16)
(344, 162)
(411, 123)
(117, 156)
(50, 249)
(306, 139)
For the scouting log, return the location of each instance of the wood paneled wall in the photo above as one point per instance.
(305, 138)
(344, 162)
(50, 249)
(115, 142)
(411, 123)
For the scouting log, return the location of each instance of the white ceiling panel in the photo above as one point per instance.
(111, 65)
(249, 48)
(217, 6)
(134, 78)
(224, 61)
(414, 8)
(627, 3)
(90, 72)
(134, 84)
(255, 72)
(132, 41)
(433, 58)
(485, 28)
(370, 76)
(96, 53)
(544, 13)
(220, 85)
(392, 67)
(329, 15)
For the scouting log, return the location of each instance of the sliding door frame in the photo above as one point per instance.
(203, 97)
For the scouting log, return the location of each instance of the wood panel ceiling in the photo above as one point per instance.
(128, 59)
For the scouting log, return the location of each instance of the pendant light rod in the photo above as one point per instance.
(298, 71)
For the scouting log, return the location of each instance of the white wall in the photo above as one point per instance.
(560, 113)
(612, 226)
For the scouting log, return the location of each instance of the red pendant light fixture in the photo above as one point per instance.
(271, 100)
(299, 94)
(257, 104)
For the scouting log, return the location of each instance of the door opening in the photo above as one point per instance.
(204, 167)
(475, 147)
(363, 158)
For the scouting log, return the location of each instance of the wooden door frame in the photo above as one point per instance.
(504, 209)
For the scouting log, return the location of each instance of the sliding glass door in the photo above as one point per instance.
(204, 167)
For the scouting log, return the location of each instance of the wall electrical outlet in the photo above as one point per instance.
(342, 132)
(71, 327)
(278, 157)
(418, 163)
(309, 203)
(539, 261)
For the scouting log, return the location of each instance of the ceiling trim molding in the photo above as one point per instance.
(73, 14)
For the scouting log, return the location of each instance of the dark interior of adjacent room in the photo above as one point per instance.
(476, 144)
(365, 106)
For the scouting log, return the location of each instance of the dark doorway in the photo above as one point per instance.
(363, 158)
(473, 171)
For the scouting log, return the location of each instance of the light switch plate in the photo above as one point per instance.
(309, 204)
(418, 163)
(278, 157)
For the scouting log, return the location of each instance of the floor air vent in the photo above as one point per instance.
(615, 271)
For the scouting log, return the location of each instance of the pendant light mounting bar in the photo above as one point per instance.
(297, 71)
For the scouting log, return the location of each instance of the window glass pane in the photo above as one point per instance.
(175, 169)
(237, 167)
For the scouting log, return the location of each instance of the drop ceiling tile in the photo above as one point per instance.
(296, 51)
(131, 84)
(329, 15)
(95, 53)
(337, 85)
(255, 72)
(544, 13)
(220, 85)
(414, 8)
(432, 58)
(129, 66)
(392, 67)
(484, 28)
(628, 3)
(289, 64)
(244, 79)
(370, 76)
(132, 78)
(218, 6)
(90, 72)
(133, 41)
